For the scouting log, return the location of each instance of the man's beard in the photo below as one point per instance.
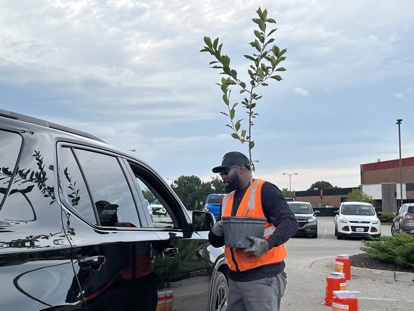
(233, 183)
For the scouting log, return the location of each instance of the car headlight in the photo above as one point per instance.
(343, 220)
(375, 222)
(312, 219)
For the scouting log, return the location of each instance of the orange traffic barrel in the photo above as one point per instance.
(334, 282)
(343, 264)
(344, 300)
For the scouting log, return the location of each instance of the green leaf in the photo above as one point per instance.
(237, 125)
(259, 36)
(207, 41)
(256, 45)
(251, 145)
(271, 20)
(233, 74)
(243, 133)
(276, 77)
(215, 43)
(250, 58)
(226, 61)
(225, 99)
(261, 25)
(271, 32)
(281, 69)
(232, 113)
(235, 136)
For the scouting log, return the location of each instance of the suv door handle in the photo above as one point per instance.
(172, 251)
(93, 261)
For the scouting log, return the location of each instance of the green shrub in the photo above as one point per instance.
(398, 249)
(386, 217)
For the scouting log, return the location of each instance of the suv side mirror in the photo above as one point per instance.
(202, 221)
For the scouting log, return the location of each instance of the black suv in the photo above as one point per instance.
(76, 232)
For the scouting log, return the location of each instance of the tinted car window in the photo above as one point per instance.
(108, 188)
(410, 209)
(10, 146)
(298, 208)
(74, 187)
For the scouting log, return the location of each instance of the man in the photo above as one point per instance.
(257, 280)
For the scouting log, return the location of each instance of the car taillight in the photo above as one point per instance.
(409, 216)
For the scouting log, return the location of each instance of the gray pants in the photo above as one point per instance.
(260, 295)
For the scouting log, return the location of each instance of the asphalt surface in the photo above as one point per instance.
(310, 262)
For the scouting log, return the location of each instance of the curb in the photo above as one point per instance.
(328, 265)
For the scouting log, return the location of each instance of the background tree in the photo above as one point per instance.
(359, 196)
(286, 193)
(264, 66)
(193, 192)
(217, 185)
(320, 185)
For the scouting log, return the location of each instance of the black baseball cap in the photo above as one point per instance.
(232, 158)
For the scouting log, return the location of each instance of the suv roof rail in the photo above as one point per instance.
(28, 119)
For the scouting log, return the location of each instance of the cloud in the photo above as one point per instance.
(131, 73)
(301, 91)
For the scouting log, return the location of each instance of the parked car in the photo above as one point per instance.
(157, 208)
(289, 199)
(404, 220)
(306, 217)
(76, 232)
(357, 219)
(213, 204)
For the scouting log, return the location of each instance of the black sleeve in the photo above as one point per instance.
(216, 241)
(277, 211)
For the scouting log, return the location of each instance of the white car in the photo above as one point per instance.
(357, 219)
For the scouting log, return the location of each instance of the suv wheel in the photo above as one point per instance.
(393, 231)
(220, 292)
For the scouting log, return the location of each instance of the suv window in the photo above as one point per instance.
(161, 215)
(10, 146)
(103, 176)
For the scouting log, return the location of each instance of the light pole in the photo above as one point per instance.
(290, 180)
(400, 164)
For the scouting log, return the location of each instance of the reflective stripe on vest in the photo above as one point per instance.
(251, 206)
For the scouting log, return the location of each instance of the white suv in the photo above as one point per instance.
(357, 219)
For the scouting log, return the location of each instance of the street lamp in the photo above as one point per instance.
(400, 164)
(290, 180)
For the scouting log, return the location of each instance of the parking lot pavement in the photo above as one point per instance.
(310, 262)
(377, 290)
(327, 265)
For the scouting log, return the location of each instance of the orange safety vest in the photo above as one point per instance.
(251, 206)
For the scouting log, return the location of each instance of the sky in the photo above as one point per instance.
(131, 73)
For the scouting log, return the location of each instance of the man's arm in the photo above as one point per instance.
(216, 241)
(277, 211)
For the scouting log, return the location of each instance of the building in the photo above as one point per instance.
(380, 180)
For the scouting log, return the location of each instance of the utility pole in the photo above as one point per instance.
(400, 163)
(290, 180)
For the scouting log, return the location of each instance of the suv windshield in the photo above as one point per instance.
(298, 208)
(358, 210)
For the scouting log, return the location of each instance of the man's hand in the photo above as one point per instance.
(259, 247)
(217, 228)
